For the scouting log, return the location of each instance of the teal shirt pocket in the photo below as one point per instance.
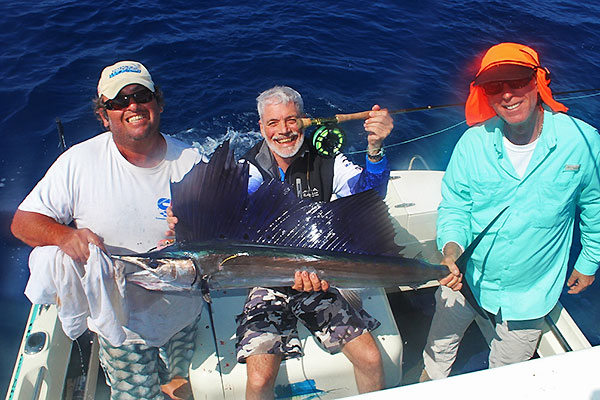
(554, 202)
(489, 198)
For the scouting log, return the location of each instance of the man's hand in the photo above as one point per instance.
(309, 282)
(37, 229)
(171, 222)
(169, 233)
(75, 244)
(379, 125)
(578, 282)
(451, 253)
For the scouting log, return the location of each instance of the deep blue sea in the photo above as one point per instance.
(213, 58)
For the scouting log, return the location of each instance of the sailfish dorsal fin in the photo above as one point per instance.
(212, 203)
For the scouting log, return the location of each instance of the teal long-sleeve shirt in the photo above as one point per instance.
(520, 266)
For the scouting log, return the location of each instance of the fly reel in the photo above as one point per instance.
(328, 140)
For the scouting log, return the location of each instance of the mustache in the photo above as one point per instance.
(292, 135)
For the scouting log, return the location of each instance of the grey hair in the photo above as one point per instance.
(279, 95)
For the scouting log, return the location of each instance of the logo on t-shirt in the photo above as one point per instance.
(163, 203)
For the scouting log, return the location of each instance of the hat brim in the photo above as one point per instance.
(503, 72)
(113, 90)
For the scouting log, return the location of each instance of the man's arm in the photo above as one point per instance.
(37, 229)
(350, 179)
(379, 125)
(454, 215)
(454, 212)
(585, 268)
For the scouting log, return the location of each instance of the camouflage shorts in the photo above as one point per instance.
(267, 325)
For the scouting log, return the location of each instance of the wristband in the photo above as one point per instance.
(378, 155)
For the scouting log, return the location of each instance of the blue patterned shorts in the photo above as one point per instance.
(136, 371)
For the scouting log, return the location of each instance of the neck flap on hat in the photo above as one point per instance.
(477, 108)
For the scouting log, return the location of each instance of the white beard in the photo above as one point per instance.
(287, 152)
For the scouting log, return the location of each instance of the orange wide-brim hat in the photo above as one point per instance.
(494, 67)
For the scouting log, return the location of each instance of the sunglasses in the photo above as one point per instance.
(492, 88)
(123, 100)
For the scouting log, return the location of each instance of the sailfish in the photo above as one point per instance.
(228, 238)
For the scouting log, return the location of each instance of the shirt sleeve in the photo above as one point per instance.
(53, 195)
(589, 203)
(349, 178)
(454, 211)
(255, 178)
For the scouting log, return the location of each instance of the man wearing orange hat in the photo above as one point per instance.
(522, 152)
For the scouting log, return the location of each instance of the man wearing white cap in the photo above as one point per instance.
(112, 191)
(525, 153)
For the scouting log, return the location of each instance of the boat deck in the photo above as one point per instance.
(412, 311)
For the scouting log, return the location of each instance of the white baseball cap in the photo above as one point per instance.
(115, 77)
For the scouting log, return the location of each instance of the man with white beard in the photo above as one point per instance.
(267, 332)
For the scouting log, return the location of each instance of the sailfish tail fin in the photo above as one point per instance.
(461, 263)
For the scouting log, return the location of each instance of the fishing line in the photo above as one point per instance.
(328, 139)
(415, 138)
(578, 97)
(315, 393)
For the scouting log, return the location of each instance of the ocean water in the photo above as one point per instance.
(213, 58)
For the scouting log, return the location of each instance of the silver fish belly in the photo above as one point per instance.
(162, 274)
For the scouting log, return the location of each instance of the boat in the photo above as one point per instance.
(51, 366)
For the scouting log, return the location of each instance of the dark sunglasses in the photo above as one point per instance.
(492, 88)
(123, 100)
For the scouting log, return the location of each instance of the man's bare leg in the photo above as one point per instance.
(364, 355)
(262, 371)
(178, 388)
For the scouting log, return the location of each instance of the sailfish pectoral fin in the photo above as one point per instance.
(461, 263)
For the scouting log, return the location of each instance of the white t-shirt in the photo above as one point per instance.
(94, 186)
(519, 155)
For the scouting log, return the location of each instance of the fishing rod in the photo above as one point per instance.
(328, 139)
(61, 136)
(339, 118)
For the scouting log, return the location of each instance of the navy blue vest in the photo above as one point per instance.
(310, 175)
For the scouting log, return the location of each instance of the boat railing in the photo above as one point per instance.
(38, 383)
(418, 157)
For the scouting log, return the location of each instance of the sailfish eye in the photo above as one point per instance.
(153, 263)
